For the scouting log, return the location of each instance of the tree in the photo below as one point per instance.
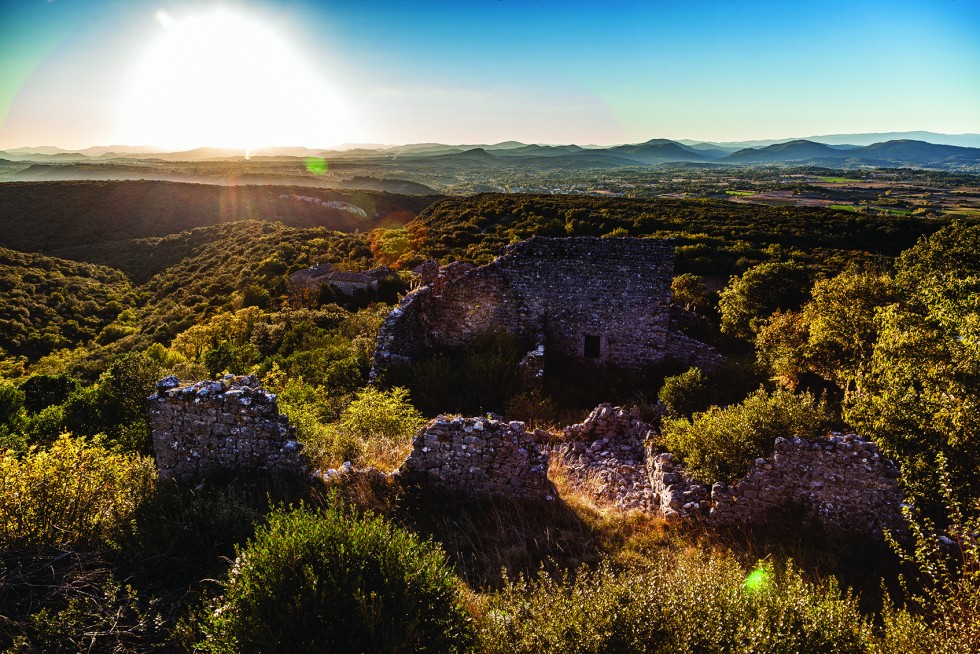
(762, 290)
(689, 291)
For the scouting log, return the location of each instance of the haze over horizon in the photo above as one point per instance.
(239, 74)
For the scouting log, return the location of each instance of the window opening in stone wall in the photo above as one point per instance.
(592, 346)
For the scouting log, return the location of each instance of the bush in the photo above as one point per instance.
(944, 588)
(690, 604)
(76, 491)
(719, 444)
(11, 402)
(685, 393)
(382, 422)
(324, 582)
(42, 391)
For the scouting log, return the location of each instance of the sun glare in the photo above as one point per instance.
(221, 79)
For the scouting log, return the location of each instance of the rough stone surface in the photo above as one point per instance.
(480, 456)
(211, 425)
(606, 300)
(842, 480)
(604, 457)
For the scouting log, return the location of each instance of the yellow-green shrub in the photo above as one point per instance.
(75, 491)
(328, 582)
(718, 444)
(689, 604)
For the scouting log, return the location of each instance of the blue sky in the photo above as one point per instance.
(478, 71)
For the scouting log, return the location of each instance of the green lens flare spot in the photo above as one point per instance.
(316, 165)
(757, 580)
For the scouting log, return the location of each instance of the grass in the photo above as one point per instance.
(740, 193)
(839, 180)
(843, 207)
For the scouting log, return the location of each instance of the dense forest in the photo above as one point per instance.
(827, 319)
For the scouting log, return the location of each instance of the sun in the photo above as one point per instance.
(222, 79)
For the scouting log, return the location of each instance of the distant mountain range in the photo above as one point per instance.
(929, 150)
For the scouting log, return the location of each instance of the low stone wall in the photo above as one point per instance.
(843, 481)
(229, 424)
(604, 457)
(480, 456)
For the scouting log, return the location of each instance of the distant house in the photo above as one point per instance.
(348, 283)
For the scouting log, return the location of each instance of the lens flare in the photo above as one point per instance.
(316, 165)
(757, 580)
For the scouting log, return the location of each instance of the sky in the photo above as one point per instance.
(253, 74)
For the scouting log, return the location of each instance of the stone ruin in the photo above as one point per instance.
(842, 481)
(481, 456)
(604, 455)
(231, 424)
(601, 300)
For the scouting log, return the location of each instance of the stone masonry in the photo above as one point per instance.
(604, 456)
(480, 456)
(605, 300)
(842, 481)
(229, 424)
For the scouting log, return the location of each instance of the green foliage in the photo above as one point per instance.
(688, 290)
(712, 237)
(952, 251)
(834, 333)
(762, 290)
(944, 588)
(720, 443)
(382, 423)
(48, 303)
(684, 605)
(97, 614)
(474, 380)
(310, 582)
(236, 359)
(685, 393)
(42, 391)
(917, 393)
(11, 402)
(75, 491)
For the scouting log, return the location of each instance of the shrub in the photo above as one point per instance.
(945, 580)
(383, 422)
(76, 491)
(718, 444)
(684, 604)
(42, 391)
(326, 582)
(685, 393)
(11, 402)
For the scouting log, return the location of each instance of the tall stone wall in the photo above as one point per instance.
(231, 424)
(480, 456)
(589, 298)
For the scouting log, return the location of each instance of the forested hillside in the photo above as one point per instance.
(47, 303)
(67, 218)
(827, 320)
(712, 237)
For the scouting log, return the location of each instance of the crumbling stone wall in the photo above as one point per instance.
(211, 425)
(589, 298)
(480, 456)
(604, 457)
(842, 480)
